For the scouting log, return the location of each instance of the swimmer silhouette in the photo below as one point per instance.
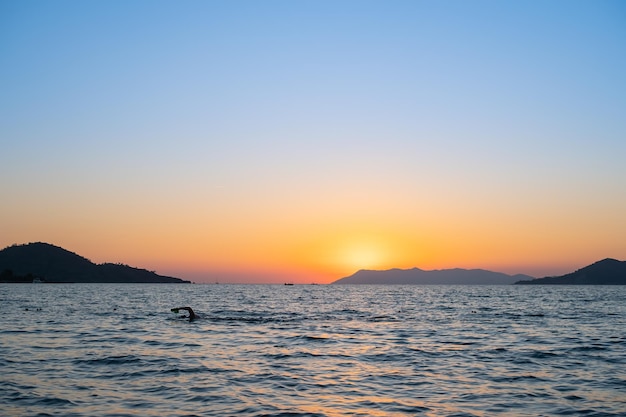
(192, 315)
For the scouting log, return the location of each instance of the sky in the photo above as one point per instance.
(300, 141)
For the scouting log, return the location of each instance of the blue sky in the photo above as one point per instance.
(334, 110)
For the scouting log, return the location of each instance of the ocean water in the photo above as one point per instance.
(312, 350)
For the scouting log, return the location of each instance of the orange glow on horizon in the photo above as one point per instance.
(315, 243)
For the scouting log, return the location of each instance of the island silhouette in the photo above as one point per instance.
(43, 262)
(605, 272)
(416, 276)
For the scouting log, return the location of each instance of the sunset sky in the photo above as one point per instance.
(274, 141)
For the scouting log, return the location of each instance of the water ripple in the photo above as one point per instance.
(111, 350)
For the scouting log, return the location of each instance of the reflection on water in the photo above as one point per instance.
(96, 350)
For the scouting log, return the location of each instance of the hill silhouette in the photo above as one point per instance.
(605, 272)
(23, 263)
(418, 276)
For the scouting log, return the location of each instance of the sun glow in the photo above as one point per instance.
(342, 251)
(363, 255)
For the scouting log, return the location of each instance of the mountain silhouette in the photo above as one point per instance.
(49, 263)
(605, 272)
(418, 276)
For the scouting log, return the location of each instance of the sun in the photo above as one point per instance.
(363, 255)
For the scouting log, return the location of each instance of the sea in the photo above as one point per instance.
(312, 350)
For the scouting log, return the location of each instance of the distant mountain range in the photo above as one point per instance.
(48, 263)
(605, 272)
(437, 277)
